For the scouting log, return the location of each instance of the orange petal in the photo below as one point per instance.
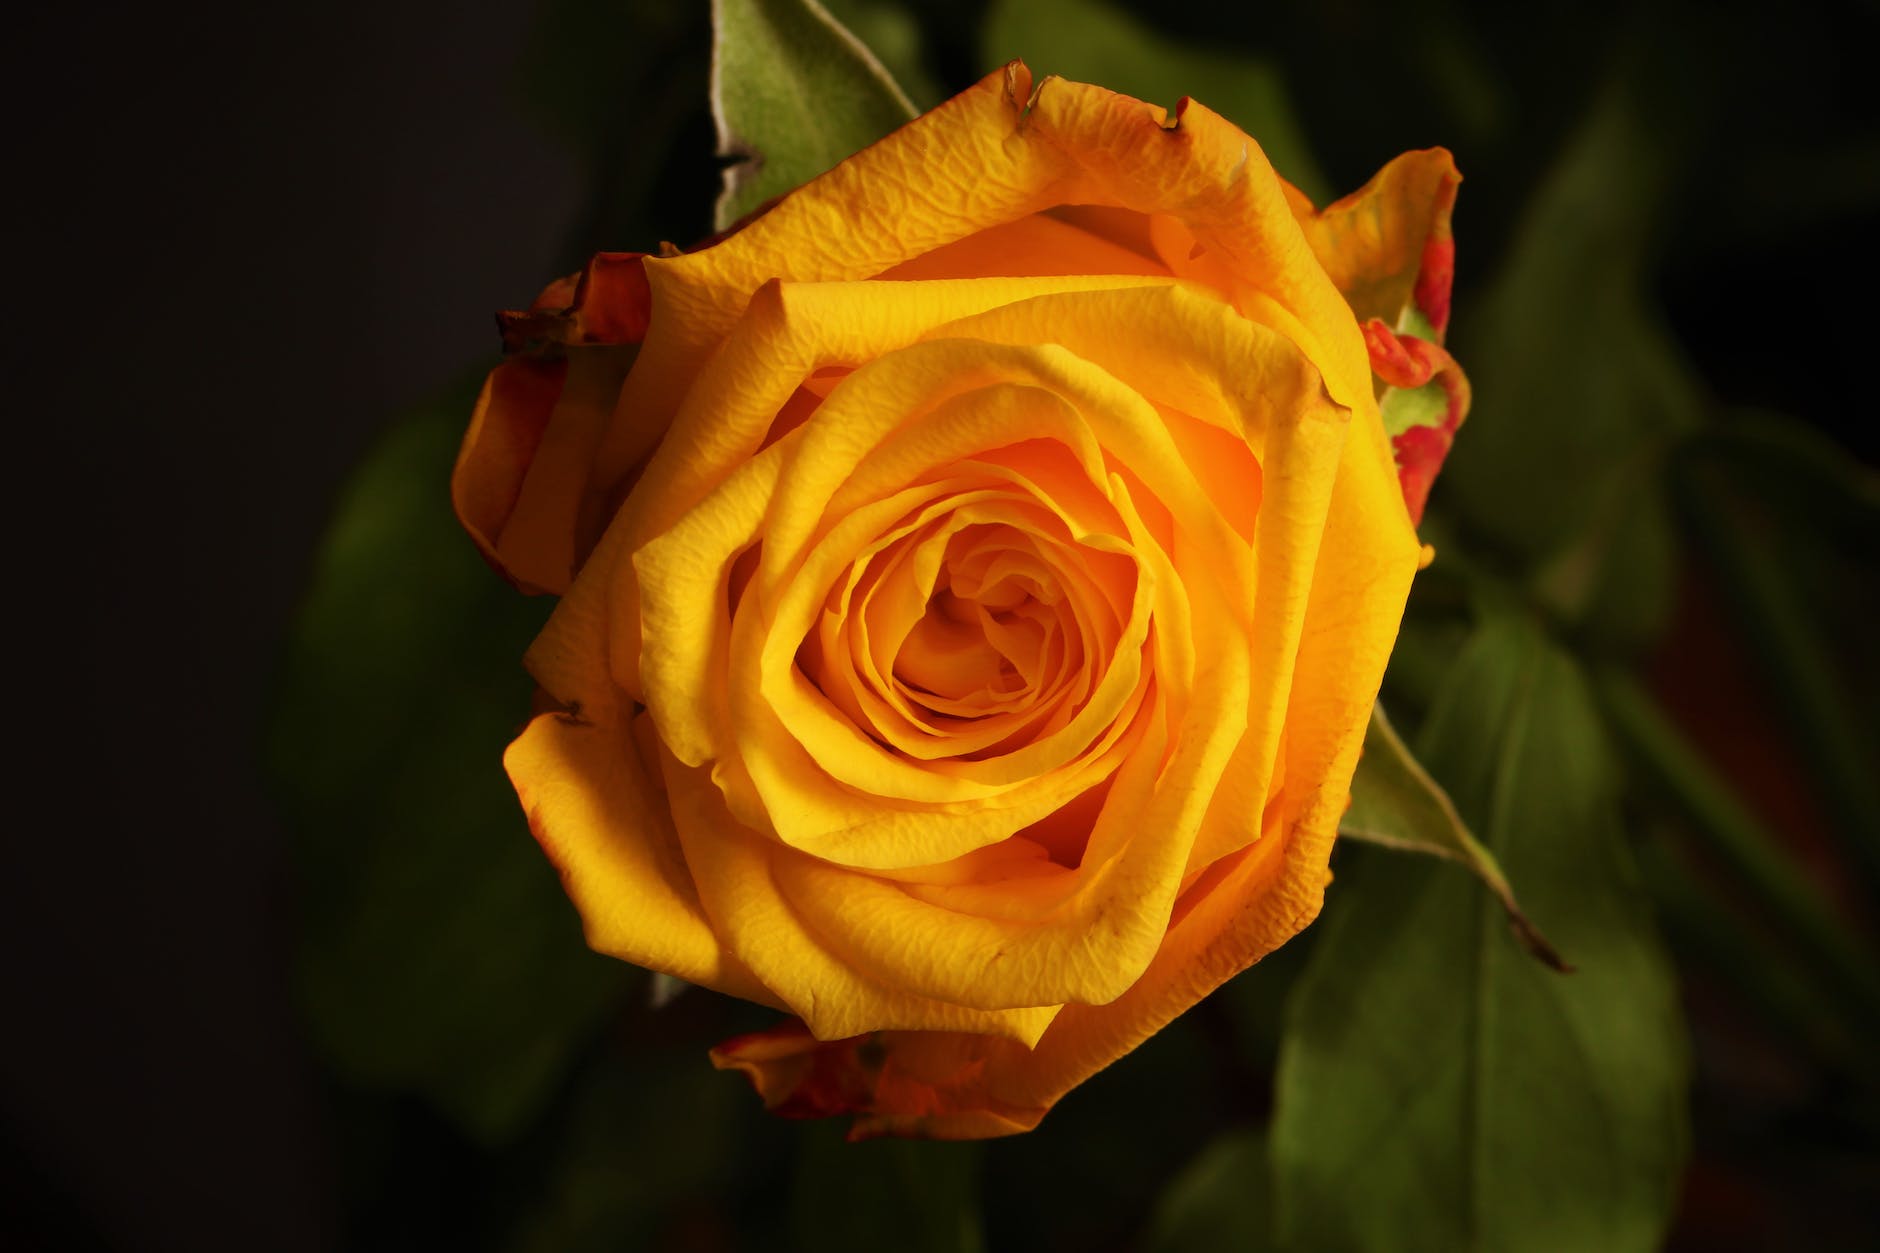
(607, 303)
(951, 1085)
(799, 1076)
(602, 819)
(505, 430)
(994, 154)
(1388, 245)
(522, 483)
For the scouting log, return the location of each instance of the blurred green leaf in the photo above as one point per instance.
(1615, 581)
(1801, 473)
(1577, 385)
(920, 1196)
(1437, 1090)
(887, 29)
(1221, 1200)
(643, 1160)
(1794, 1000)
(1093, 42)
(438, 952)
(623, 84)
(1766, 500)
(1395, 803)
(793, 94)
(1754, 856)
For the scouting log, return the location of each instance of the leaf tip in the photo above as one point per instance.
(1538, 946)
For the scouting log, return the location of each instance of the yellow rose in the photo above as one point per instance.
(973, 588)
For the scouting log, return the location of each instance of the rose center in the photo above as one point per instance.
(991, 637)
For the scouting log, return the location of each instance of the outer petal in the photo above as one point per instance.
(522, 482)
(1389, 249)
(998, 152)
(1426, 397)
(511, 416)
(734, 867)
(1206, 173)
(1388, 245)
(604, 823)
(607, 303)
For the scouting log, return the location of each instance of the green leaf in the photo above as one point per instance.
(1803, 474)
(643, 1158)
(1097, 43)
(921, 1196)
(1436, 1089)
(438, 953)
(1766, 873)
(887, 29)
(1395, 803)
(1767, 504)
(793, 94)
(1221, 1200)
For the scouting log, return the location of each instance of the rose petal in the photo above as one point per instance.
(733, 867)
(530, 444)
(606, 827)
(1426, 397)
(1243, 906)
(994, 154)
(1388, 245)
(511, 415)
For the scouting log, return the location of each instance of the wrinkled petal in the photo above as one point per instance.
(1388, 245)
(994, 154)
(605, 825)
(734, 869)
(958, 1086)
(976, 573)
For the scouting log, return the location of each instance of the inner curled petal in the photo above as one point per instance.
(983, 646)
(974, 631)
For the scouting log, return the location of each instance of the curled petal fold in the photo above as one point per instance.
(523, 484)
(1426, 397)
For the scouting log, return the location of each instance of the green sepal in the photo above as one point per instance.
(793, 94)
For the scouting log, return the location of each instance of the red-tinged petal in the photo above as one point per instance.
(921, 1084)
(1420, 455)
(1438, 275)
(1388, 245)
(1402, 360)
(523, 485)
(607, 303)
(1426, 397)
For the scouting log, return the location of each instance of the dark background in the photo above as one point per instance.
(259, 233)
(250, 237)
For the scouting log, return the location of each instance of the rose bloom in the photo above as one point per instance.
(976, 573)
